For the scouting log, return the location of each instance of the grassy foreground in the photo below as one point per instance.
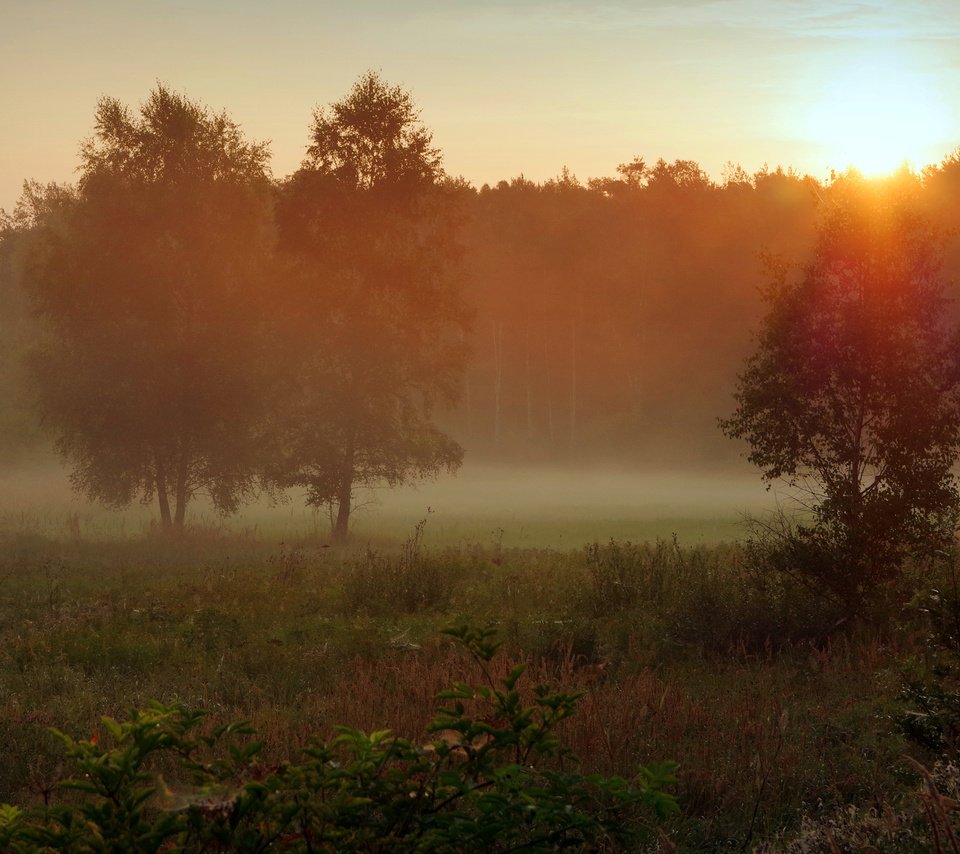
(774, 712)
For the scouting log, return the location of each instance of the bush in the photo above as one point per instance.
(494, 779)
(925, 821)
(932, 684)
(727, 597)
(409, 582)
(626, 574)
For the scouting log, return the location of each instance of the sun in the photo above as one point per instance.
(877, 114)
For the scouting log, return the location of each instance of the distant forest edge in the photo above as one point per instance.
(608, 319)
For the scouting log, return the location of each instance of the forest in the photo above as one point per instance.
(598, 320)
(184, 329)
(604, 317)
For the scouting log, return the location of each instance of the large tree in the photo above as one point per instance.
(150, 276)
(851, 394)
(368, 226)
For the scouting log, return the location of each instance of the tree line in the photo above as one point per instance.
(193, 325)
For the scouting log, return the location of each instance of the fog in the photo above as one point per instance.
(555, 507)
(348, 325)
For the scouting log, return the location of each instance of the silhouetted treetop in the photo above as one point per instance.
(373, 137)
(172, 138)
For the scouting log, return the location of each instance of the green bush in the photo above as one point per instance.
(931, 686)
(495, 779)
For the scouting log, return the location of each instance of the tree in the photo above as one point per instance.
(851, 394)
(368, 226)
(150, 276)
(21, 436)
(681, 174)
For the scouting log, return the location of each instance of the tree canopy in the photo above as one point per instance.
(372, 139)
(369, 230)
(851, 394)
(150, 275)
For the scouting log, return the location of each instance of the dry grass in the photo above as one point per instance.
(762, 726)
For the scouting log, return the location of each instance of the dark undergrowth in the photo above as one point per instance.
(783, 713)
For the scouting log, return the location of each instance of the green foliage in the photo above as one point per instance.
(931, 685)
(149, 277)
(374, 138)
(699, 668)
(851, 395)
(623, 574)
(821, 567)
(374, 320)
(494, 779)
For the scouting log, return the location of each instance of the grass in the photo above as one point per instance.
(682, 653)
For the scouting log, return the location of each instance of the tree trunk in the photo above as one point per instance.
(497, 378)
(573, 383)
(467, 397)
(341, 527)
(526, 372)
(182, 493)
(181, 512)
(161, 481)
(548, 389)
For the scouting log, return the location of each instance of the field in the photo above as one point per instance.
(535, 507)
(772, 710)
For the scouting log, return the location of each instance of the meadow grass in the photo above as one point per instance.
(683, 654)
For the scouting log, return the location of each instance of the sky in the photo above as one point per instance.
(508, 88)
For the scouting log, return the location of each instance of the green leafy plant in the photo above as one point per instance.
(495, 778)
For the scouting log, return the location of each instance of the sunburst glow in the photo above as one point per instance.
(879, 114)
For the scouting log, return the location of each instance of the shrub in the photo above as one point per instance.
(409, 582)
(623, 575)
(932, 683)
(715, 599)
(923, 822)
(495, 779)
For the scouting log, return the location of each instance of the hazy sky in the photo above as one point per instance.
(507, 87)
